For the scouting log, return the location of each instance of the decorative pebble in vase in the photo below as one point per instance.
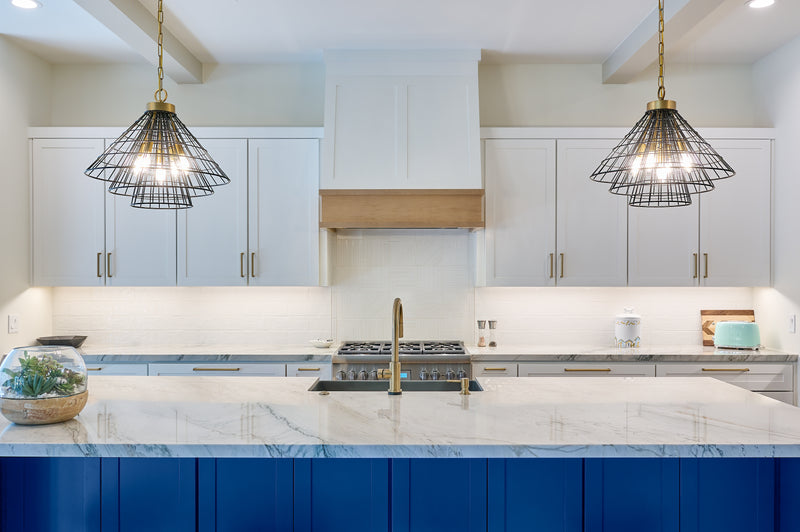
(627, 328)
(42, 384)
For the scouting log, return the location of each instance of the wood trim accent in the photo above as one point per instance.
(408, 208)
(709, 319)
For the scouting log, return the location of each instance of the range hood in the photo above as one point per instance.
(402, 140)
(402, 209)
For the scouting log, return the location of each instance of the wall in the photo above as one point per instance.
(24, 102)
(777, 81)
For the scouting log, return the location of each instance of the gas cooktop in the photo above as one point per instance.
(424, 347)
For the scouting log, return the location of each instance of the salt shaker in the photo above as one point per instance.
(481, 333)
(492, 327)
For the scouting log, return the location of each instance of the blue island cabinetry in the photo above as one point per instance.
(400, 494)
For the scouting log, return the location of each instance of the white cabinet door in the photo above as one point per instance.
(117, 369)
(321, 370)
(67, 210)
(735, 218)
(755, 377)
(267, 369)
(283, 212)
(591, 229)
(663, 245)
(212, 235)
(520, 212)
(494, 369)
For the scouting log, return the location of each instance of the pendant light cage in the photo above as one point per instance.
(662, 160)
(157, 161)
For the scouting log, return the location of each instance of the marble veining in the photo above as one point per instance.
(532, 417)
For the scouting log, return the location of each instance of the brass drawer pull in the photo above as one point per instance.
(94, 369)
(98, 264)
(215, 369)
(494, 369)
(108, 265)
(696, 265)
(726, 369)
(551, 265)
(308, 369)
(561, 275)
(241, 264)
(705, 275)
(605, 370)
(252, 264)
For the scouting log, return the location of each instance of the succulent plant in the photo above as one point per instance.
(42, 375)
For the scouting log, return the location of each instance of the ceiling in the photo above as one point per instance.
(542, 31)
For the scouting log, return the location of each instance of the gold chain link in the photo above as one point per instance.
(161, 94)
(661, 91)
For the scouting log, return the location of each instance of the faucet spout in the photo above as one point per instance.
(397, 333)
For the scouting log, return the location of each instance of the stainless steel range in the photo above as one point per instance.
(421, 360)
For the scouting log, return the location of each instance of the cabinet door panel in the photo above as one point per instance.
(442, 136)
(68, 231)
(116, 369)
(586, 369)
(212, 235)
(266, 369)
(284, 214)
(592, 227)
(663, 246)
(320, 370)
(754, 377)
(735, 218)
(520, 212)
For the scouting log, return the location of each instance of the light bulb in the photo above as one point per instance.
(161, 175)
(662, 172)
(142, 162)
(686, 162)
(637, 164)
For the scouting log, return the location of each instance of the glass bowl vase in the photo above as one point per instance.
(42, 384)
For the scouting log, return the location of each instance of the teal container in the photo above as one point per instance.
(737, 335)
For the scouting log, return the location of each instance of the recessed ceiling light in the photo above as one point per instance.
(760, 3)
(26, 4)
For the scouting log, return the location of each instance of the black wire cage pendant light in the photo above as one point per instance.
(662, 160)
(157, 161)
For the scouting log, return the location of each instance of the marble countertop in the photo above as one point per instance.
(208, 353)
(532, 417)
(592, 353)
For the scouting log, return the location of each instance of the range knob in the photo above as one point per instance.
(351, 375)
(462, 374)
(341, 375)
(423, 374)
(373, 375)
(450, 374)
(362, 375)
(435, 374)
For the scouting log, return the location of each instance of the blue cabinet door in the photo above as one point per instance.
(787, 485)
(727, 495)
(50, 494)
(535, 494)
(341, 494)
(634, 494)
(439, 495)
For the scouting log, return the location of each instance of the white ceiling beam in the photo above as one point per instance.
(640, 49)
(134, 24)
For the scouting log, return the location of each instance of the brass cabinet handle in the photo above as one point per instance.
(241, 264)
(215, 369)
(705, 275)
(108, 264)
(98, 264)
(605, 370)
(308, 369)
(494, 369)
(94, 369)
(727, 369)
(696, 265)
(252, 264)
(551, 265)
(561, 275)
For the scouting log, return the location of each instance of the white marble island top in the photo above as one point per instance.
(532, 417)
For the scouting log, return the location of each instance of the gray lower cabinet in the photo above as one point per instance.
(774, 380)
(589, 369)
(262, 369)
(494, 369)
(117, 369)
(309, 369)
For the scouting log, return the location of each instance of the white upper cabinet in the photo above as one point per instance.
(68, 233)
(401, 120)
(663, 245)
(735, 221)
(284, 213)
(591, 229)
(520, 212)
(212, 235)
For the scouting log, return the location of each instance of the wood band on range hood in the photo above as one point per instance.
(401, 209)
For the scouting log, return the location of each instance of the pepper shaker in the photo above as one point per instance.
(492, 327)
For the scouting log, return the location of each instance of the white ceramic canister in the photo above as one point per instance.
(627, 328)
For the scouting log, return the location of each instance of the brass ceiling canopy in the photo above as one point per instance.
(157, 161)
(662, 160)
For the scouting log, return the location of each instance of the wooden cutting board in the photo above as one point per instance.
(709, 319)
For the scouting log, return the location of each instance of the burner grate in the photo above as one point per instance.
(428, 347)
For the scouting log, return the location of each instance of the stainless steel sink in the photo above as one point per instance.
(383, 386)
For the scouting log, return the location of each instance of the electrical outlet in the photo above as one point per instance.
(792, 323)
(13, 323)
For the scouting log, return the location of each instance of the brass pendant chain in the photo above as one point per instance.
(661, 91)
(161, 94)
